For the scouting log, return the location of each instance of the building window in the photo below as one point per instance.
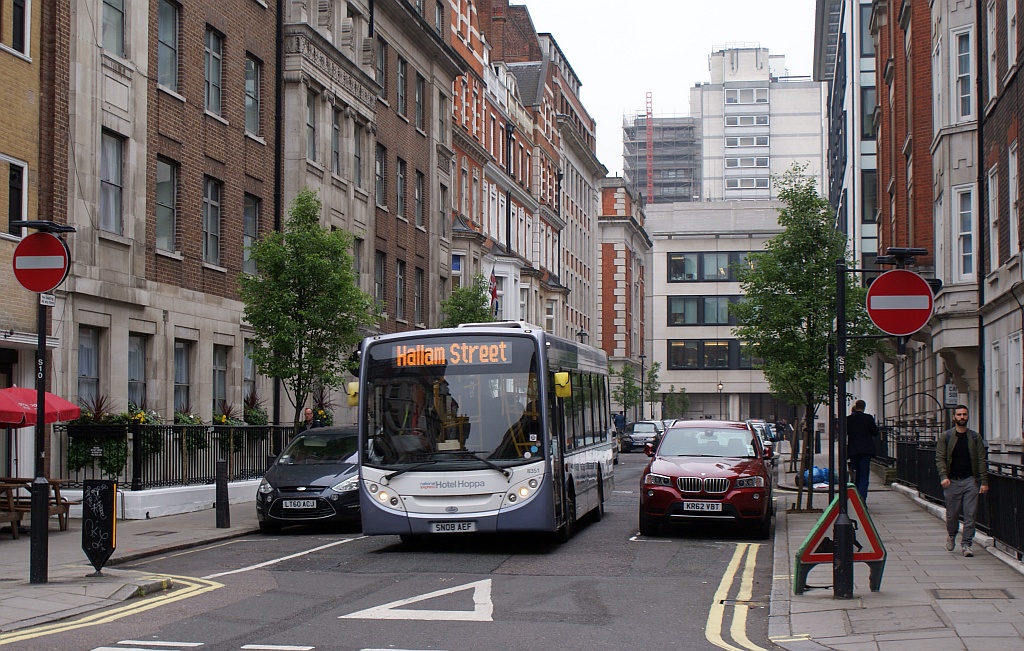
(253, 69)
(15, 195)
(357, 260)
(747, 357)
(111, 171)
(166, 203)
(88, 364)
(400, 289)
(867, 113)
(419, 205)
(311, 125)
(400, 175)
(250, 230)
(113, 26)
(380, 187)
(213, 59)
(746, 120)
(716, 310)
(403, 69)
(19, 27)
(418, 289)
(746, 96)
(336, 142)
(248, 370)
(357, 155)
(716, 266)
(1012, 224)
(682, 310)
(420, 97)
(379, 262)
(759, 161)
(747, 183)
(442, 205)
(962, 71)
(1011, 34)
(683, 355)
(439, 18)
(963, 221)
(167, 49)
(869, 196)
(747, 141)
(137, 370)
(211, 220)
(442, 116)
(716, 354)
(457, 262)
(220, 379)
(682, 267)
(992, 192)
(991, 67)
(382, 68)
(182, 376)
(867, 44)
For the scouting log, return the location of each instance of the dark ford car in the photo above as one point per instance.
(313, 481)
(705, 470)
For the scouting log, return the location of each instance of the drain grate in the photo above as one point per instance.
(971, 593)
(742, 602)
(155, 533)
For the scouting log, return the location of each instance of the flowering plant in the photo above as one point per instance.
(324, 416)
(186, 418)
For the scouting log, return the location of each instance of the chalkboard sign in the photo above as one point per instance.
(99, 521)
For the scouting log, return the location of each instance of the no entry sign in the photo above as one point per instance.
(900, 302)
(41, 262)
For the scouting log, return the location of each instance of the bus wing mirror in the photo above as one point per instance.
(563, 389)
(352, 389)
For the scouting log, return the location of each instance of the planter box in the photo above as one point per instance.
(98, 431)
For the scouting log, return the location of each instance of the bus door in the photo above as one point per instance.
(556, 430)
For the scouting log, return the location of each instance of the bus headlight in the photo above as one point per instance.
(383, 496)
(524, 492)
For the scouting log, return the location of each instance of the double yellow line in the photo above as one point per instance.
(745, 556)
(185, 588)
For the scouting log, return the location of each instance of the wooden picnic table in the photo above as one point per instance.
(19, 503)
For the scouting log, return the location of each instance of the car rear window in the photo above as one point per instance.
(645, 427)
(709, 442)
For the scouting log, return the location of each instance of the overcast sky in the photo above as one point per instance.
(623, 50)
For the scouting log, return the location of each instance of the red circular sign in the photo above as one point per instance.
(41, 262)
(900, 302)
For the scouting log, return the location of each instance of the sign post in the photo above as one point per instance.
(41, 263)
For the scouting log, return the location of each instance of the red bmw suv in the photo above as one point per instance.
(707, 470)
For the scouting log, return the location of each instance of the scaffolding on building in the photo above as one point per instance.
(670, 170)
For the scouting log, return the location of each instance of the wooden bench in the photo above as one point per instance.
(8, 512)
(22, 499)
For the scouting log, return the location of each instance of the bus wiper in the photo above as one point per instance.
(415, 466)
(488, 463)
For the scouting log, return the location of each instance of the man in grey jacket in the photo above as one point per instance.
(960, 458)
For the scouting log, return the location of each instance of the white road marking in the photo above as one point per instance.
(156, 643)
(483, 608)
(283, 558)
(277, 647)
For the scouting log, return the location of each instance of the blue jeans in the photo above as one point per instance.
(861, 466)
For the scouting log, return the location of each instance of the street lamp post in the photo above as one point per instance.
(642, 358)
(720, 387)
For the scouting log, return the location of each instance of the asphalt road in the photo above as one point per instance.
(608, 588)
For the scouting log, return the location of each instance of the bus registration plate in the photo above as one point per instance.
(452, 527)
(298, 504)
(702, 506)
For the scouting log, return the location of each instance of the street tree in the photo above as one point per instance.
(675, 404)
(652, 385)
(789, 302)
(467, 304)
(304, 303)
(627, 391)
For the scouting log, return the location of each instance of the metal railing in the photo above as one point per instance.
(1000, 511)
(155, 456)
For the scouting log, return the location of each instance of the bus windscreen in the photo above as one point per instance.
(448, 401)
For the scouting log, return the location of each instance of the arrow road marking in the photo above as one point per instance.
(483, 608)
(915, 302)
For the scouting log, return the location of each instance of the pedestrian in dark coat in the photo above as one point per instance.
(861, 433)
(962, 462)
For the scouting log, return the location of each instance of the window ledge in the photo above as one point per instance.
(402, 218)
(114, 238)
(171, 93)
(312, 165)
(403, 118)
(216, 117)
(174, 255)
(421, 132)
(255, 138)
(422, 229)
(6, 48)
(362, 192)
(10, 237)
(261, 3)
(214, 267)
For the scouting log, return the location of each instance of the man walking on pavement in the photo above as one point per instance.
(861, 432)
(960, 458)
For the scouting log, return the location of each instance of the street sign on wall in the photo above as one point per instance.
(41, 262)
(900, 302)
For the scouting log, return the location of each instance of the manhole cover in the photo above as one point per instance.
(893, 620)
(971, 593)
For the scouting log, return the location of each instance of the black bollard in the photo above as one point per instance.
(39, 549)
(223, 508)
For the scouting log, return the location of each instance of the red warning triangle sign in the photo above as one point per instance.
(818, 546)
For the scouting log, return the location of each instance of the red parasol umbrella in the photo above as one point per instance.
(57, 408)
(11, 412)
